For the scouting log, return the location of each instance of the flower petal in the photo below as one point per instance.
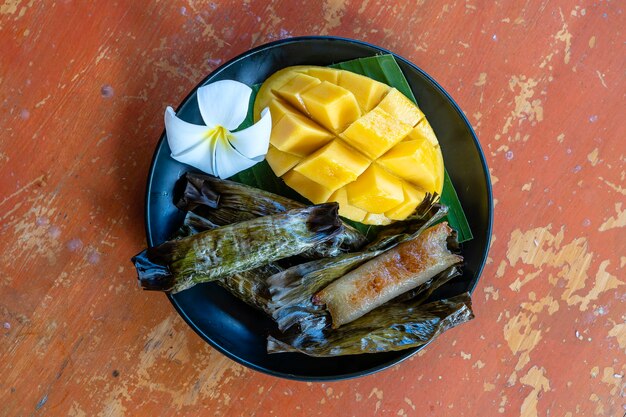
(201, 156)
(255, 140)
(228, 161)
(224, 103)
(182, 135)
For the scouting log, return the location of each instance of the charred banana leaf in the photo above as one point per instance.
(179, 264)
(250, 286)
(224, 202)
(394, 326)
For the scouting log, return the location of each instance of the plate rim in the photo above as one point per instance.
(408, 352)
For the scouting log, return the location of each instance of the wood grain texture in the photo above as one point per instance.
(83, 86)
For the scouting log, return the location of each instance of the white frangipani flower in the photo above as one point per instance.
(214, 148)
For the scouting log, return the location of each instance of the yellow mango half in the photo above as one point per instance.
(345, 208)
(340, 136)
(375, 191)
(375, 133)
(311, 190)
(280, 161)
(333, 166)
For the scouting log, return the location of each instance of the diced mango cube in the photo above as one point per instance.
(375, 133)
(331, 106)
(399, 106)
(324, 74)
(334, 165)
(345, 208)
(311, 190)
(280, 161)
(278, 109)
(412, 198)
(298, 135)
(375, 191)
(413, 161)
(292, 90)
(376, 219)
(368, 92)
(423, 131)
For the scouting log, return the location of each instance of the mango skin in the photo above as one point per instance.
(399, 158)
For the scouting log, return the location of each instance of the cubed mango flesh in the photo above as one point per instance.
(266, 92)
(412, 198)
(375, 191)
(375, 133)
(399, 106)
(413, 161)
(292, 90)
(330, 105)
(279, 108)
(423, 131)
(311, 190)
(334, 165)
(280, 161)
(345, 208)
(341, 136)
(324, 74)
(298, 135)
(367, 92)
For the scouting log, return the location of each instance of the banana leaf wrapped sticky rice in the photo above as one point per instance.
(401, 269)
(293, 289)
(248, 286)
(394, 326)
(181, 263)
(224, 202)
(374, 307)
(355, 296)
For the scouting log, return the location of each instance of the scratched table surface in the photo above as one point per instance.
(83, 87)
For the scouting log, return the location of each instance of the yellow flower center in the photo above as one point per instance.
(218, 133)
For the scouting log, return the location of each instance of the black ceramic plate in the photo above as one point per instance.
(239, 331)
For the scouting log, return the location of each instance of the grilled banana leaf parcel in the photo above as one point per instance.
(179, 264)
(401, 269)
(224, 202)
(292, 290)
(248, 286)
(393, 326)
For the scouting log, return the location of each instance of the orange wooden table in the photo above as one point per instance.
(83, 85)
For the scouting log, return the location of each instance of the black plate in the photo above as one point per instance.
(239, 331)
